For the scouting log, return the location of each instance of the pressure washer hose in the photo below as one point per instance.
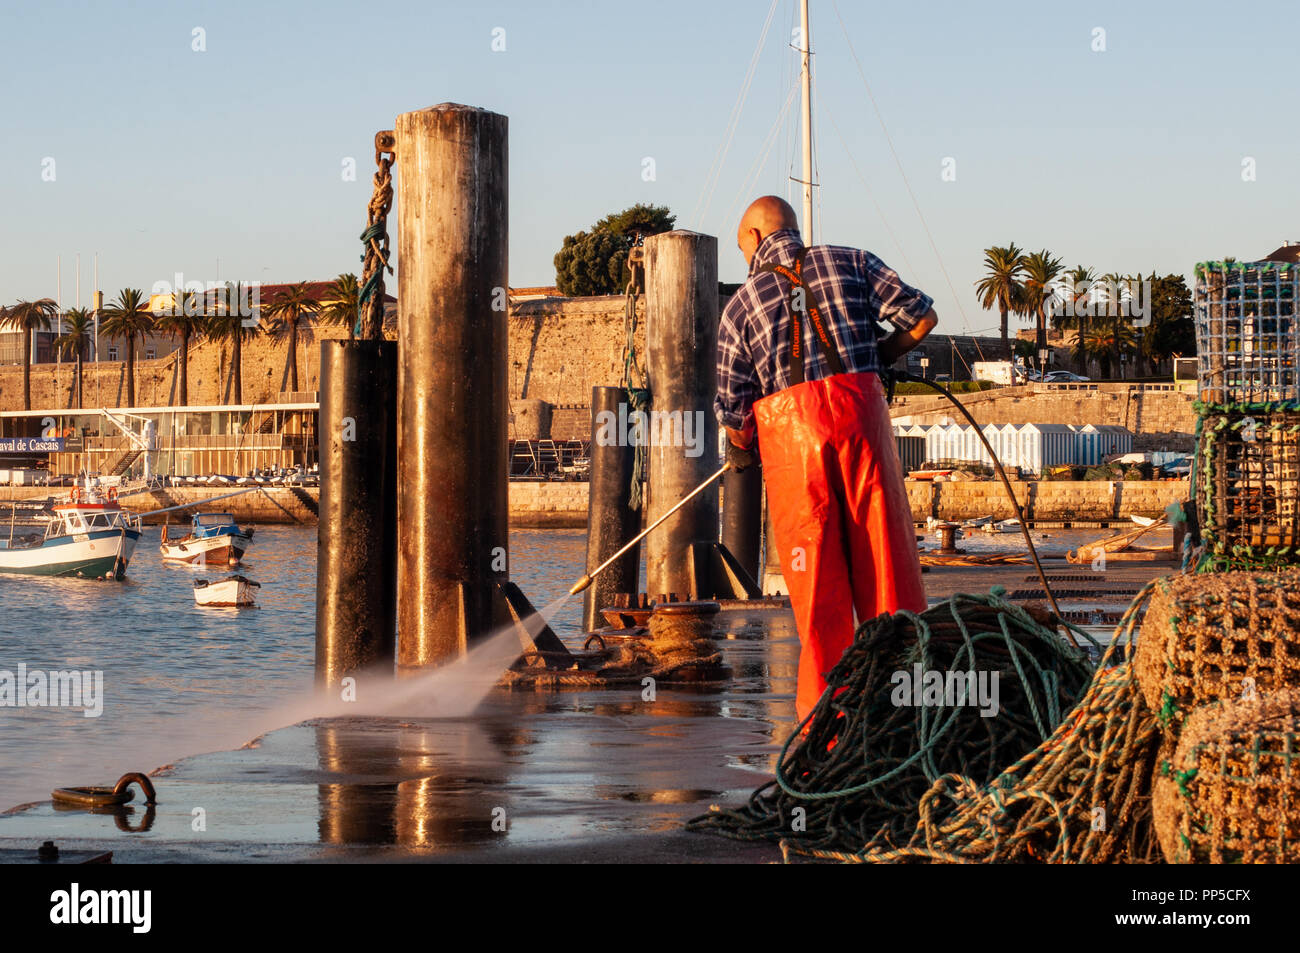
(1006, 483)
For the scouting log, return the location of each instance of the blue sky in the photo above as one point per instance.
(167, 159)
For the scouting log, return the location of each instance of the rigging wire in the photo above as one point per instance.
(733, 122)
(768, 142)
(902, 173)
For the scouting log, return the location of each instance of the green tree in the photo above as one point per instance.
(288, 318)
(228, 323)
(595, 262)
(28, 317)
(79, 331)
(1041, 271)
(342, 305)
(128, 318)
(1172, 332)
(185, 322)
(1001, 288)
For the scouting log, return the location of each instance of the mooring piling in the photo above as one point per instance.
(356, 570)
(681, 344)
(452, 399)
(611, 521)
(742, 516)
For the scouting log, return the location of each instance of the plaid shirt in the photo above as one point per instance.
(855, 289)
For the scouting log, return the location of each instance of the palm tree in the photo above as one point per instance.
(79, 332)
(1108, 340)
(343, 304)
(228, 323)
(1001, 286)
(186, 322)
(1076, 316)
(1114, 282)
(1041, 270)
(128, 318)
(29, 316)
(285, 315)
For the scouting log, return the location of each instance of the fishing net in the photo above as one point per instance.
(895, 722)
(1212, 637)
(1233, 792)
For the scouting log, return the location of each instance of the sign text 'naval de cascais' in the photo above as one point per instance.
(31, 444)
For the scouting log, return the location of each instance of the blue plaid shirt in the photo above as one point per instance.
(855, 289)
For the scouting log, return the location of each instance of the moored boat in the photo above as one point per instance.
(87, 535)
(214, 539)
(231, 592)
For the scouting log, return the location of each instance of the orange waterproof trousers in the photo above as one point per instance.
(840, 512)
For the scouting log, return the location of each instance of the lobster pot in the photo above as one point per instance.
(1247, 338)
(1232, 792)
(1247, 486)
(1207, 638)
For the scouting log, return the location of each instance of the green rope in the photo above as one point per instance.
(865, 762)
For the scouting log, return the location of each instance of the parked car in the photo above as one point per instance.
(1064, 377)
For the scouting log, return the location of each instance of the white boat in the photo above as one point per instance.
(1003, 526)
(214, 539)
(1145, 520)
(87, 535)
(230, 592)
(978, 522)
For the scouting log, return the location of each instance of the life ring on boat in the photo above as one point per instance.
(112, 494)
(76, 494)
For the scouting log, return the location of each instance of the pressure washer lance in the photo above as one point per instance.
(586, 580)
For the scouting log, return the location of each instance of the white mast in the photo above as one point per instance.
(805, 55)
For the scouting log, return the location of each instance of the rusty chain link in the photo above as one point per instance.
(370, 301)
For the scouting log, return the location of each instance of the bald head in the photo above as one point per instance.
(764, 216)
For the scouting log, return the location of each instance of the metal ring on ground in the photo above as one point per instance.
(593, 637)
(119, 793)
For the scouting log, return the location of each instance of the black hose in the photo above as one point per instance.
(997, 465)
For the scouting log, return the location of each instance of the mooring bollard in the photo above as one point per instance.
(611, 521)
(681, 344)
(742, 516)
(452, 398)
(773, 577)
(356, 569)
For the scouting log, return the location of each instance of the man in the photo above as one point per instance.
(815, 406)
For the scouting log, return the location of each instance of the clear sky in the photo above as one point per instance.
(167, 159)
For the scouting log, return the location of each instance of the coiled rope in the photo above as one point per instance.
(869, 754)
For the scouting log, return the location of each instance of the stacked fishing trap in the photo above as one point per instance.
(1246, 481)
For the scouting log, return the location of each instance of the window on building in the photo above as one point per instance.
(112, 352)
(150, 353)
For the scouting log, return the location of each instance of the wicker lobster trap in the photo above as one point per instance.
(1247, 331)
(1232, 794)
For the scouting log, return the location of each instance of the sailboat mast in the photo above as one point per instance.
(805, 55)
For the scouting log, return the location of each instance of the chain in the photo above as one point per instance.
(370, 301)
(634, 378)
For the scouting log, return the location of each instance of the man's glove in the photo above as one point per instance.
(741, 458)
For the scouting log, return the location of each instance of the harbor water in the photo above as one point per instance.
(179, 679)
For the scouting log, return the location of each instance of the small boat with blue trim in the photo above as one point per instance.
(87, 535)
(214, 539)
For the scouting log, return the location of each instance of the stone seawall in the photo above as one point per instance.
(1044, 501)
(564, 505)
(1161, 419)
